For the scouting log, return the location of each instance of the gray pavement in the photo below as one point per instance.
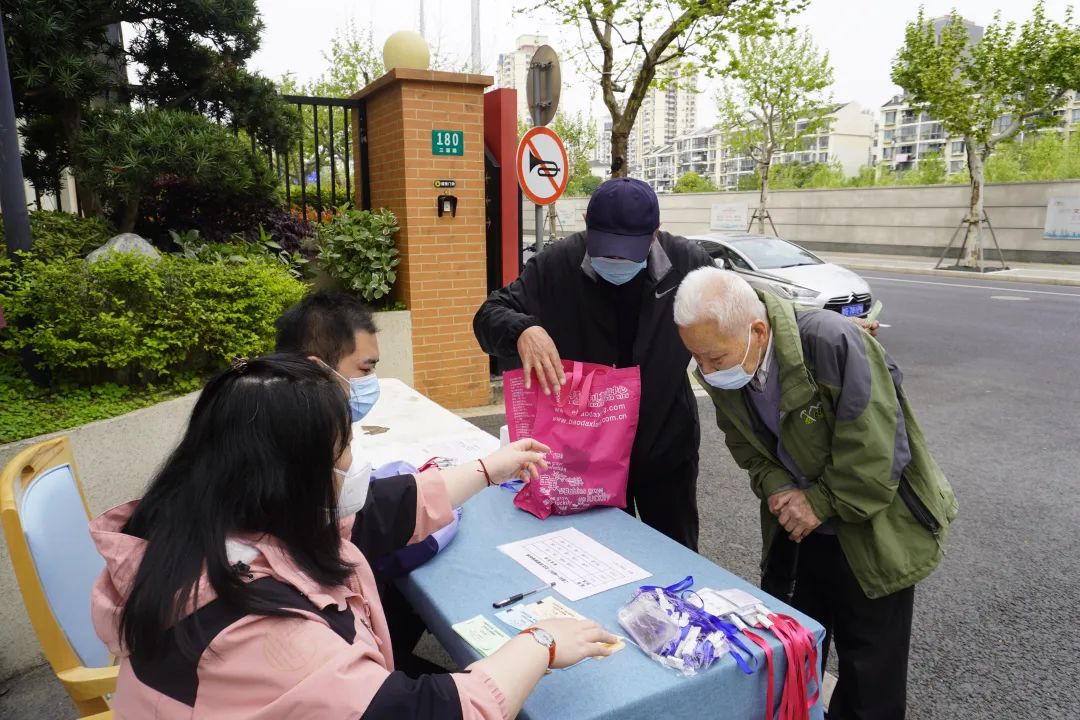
(991, 368)
(1036, 273)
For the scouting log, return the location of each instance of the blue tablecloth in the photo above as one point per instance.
(463, 581)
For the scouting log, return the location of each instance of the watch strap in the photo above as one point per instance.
(550, 647)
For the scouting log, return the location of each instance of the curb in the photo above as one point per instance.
(997, 277)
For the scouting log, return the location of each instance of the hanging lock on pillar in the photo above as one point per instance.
(447, 205)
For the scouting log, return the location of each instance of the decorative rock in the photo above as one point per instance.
(125, 243)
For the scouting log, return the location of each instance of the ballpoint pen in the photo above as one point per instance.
(515, 598)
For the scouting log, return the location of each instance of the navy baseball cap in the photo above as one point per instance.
(622, 216)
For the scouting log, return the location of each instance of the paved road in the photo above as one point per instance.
(993, 371)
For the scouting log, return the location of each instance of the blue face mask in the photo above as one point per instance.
(734, 377)
(616, 271)
(363, 394)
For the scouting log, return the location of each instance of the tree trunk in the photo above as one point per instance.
(763, 200)
(620, 142)
(973, 237)
(129, 215)
(71, 122)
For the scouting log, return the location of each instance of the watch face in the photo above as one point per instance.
(543, 636)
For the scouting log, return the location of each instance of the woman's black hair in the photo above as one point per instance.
(324, 324)
(257, 457)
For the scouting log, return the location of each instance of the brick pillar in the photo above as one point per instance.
(443, 274)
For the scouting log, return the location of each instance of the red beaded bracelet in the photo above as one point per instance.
(487, 475)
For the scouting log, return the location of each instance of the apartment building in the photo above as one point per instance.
(513, 70)
(906, 134)
(664, 115)
(846, 138)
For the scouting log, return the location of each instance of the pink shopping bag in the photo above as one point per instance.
(590, 427)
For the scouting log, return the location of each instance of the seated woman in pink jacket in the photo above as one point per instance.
(239, 585)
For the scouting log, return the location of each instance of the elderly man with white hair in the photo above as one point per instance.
(854, 509)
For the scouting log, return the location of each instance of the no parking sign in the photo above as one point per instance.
(542, 166)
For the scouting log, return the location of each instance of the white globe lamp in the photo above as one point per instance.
(406, 49)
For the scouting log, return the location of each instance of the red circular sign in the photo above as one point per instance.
(542, 168)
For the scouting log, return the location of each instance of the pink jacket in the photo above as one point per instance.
(334, 662)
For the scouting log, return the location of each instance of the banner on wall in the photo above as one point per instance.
(1062, 219)
(728, 216)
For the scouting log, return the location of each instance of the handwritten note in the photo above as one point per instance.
(578, 566)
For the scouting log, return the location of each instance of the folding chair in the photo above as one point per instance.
(45, 516)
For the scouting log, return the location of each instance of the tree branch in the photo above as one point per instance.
(606, 81)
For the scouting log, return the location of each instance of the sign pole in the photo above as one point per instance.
(538, 217)
(12, 189)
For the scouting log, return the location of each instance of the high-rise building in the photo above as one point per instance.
(975, 32)
(846, 138)
(513, 71)
(603, 142)
(664, 115)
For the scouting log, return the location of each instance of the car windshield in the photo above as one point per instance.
(772, 253)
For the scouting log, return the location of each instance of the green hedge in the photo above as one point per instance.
(27, 410)
(131, 320)
(61, 234)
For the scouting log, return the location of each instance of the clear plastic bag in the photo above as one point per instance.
(660, 624)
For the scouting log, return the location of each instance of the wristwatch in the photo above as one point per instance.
(545, 638)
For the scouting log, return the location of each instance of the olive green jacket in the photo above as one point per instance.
(848, 427)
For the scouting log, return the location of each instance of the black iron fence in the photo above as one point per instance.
(330, 158)
(323, 168)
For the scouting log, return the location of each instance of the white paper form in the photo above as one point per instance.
(578, 566)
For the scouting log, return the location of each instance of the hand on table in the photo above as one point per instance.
(522, 459)
(793, 511)
(538, 354)
(576, 640)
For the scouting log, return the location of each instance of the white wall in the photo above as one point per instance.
(895, 220)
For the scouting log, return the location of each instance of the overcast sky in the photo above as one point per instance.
(861, 37)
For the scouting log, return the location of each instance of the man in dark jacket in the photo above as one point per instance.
(605, 296)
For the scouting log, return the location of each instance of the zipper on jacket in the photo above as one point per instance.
(917, 508)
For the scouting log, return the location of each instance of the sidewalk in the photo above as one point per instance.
(1040, 273)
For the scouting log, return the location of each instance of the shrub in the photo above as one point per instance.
(58, 234)
(185, 164)
(27, 410)
(238, 250)
(132, 320)
(218, 213)
(357, 248)
(294, 234)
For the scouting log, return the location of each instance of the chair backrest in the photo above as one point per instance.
(45, 518)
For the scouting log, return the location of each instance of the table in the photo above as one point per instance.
(405, 425)
(466, 577)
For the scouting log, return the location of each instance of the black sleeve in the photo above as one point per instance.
(428, 697)
(388, 519)
(509, 311)
(698, 258)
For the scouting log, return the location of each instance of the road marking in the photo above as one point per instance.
(1007, 297)
(972, 287)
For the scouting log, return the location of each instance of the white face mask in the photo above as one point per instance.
(354, 488)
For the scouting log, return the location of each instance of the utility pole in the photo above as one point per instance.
(12, 185)
(476, 36)
(423, 34)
